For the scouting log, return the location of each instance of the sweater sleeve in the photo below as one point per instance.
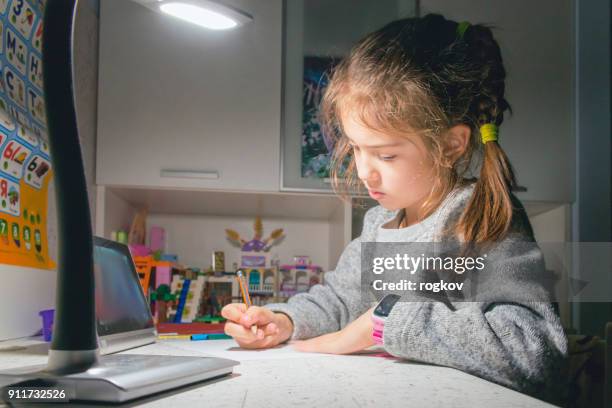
(517, 344)
(330, 306)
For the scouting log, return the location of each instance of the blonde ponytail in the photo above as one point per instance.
(488, 215)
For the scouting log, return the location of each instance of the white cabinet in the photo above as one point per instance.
(185, 107)
(537, 44)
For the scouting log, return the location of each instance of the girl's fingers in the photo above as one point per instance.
(267, 342)
(233, 311)
(240, 320)
(240, 333)
(246, 339)
(256, 315)
(247, 317)
(270, 329)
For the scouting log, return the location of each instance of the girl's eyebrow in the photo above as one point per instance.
(379, 146)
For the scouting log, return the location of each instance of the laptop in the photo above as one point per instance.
(123, 315)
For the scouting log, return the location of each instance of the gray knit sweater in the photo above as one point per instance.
(518, 345)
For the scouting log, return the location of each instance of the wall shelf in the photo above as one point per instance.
(222, 203)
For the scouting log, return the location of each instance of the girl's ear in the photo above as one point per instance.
(456, 142)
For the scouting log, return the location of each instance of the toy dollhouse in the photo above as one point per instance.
(298, 277)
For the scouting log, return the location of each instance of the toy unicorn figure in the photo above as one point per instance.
(257, 244)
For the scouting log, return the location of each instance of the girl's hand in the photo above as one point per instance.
(272, 328)
(356, 336)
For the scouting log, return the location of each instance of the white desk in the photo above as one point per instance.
(284, 378)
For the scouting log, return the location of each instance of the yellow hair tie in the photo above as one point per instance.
(489, 132)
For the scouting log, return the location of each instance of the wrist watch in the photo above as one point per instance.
(380, 314)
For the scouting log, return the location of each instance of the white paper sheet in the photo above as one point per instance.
(230, 349)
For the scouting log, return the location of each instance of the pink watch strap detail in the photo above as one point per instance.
(377, 332)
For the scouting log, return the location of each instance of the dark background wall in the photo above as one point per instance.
(592, 211)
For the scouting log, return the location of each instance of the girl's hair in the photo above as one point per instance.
(419, 76)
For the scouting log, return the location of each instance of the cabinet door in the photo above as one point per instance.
(537, 43)
(317, 30)
(181, 106)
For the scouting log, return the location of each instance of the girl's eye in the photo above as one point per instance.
(387, 158)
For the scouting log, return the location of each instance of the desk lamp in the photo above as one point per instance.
(205, 13)
(75, 364)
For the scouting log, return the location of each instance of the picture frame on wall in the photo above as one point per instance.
(316, 147)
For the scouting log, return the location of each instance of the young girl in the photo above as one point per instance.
(407, 109)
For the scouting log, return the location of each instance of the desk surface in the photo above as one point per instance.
(282, 378)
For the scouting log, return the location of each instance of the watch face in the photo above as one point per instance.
(386, 304)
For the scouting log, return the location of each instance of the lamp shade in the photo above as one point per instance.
(204, 13)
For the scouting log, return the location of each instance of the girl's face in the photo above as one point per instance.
(396, 170)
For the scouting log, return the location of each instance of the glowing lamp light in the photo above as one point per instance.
(204, 13)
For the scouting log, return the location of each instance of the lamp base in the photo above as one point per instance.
(118, 378)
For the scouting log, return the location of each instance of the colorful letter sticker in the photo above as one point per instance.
(22, 17)
(38, 167)
(37, 38)
(15, 87)
(15, 234)
(3, 4)
(10, 196)
(36, 106)
(27, 237)
(35, 71)
(44, 146)
(41, 134)
(22, 118)
(27, 135)
(37, 240)
(16, 51)
(4, 230)
(14, 155)
(5, 119)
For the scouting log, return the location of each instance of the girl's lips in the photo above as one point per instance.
(376, 194)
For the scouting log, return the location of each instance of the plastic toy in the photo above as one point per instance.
(257, 244)
(190, 298)
(157, 239)
(184, 287)
(162, 296)
(218, 261)
(218, 292)
(139, 250)
(301, 261)
(144, 268)
(297, 278)
(138, 228)
(47, 323)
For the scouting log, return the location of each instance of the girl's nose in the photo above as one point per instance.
(368, 175)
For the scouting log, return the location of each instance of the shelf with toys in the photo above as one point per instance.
(318, 225)
(184, 292)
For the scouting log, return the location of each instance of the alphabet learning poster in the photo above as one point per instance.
(25, 165)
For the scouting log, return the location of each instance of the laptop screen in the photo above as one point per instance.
(120, 303)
